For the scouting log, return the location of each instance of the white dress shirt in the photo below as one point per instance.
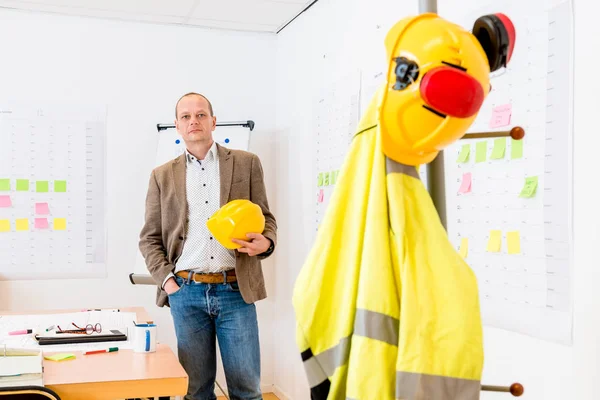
(201, 252)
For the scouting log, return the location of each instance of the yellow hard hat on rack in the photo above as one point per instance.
(234, 220)
(437, 80)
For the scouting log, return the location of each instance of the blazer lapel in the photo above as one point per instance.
(225, 172)
(179, 171)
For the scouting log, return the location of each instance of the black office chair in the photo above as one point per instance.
(27, 393)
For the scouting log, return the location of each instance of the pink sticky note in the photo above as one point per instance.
(320, 196)
(465, 187)
(5, 201)
(41, 223)
(501, 116)
(42, 208)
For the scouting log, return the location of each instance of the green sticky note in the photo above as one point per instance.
(60, 186)
(320, 179)
(333, 177)
(326, 179)
(499, 148)
(529, 187)
(480, 151)
(465, 151)
(4, 185)
(22, 185)
(60, 357)
(516, 149)
(41, 186)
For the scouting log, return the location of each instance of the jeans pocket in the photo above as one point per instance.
(181, 282)
(233, 286)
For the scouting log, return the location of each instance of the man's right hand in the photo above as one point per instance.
(171, 286)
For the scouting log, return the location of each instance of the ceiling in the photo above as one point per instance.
(245, 15)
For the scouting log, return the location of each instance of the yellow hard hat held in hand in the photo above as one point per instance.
(234, 220)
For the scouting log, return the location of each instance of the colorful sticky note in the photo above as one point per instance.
(60, 186)
(326, 179)
(42, 208)
(41, 186)
(333, 177)
(516, 149)
(513, 240)
(495, 241)
(529, 187)
(5, 201)
(499, 148)
(60, 224)
(22, 224)
(464, 247)
(465, 187)
(481, 151)
(320, 179)
(465, 151)
(501, 116)
(320, 196)
(22, 185)
(4, 185)
(4, 225)
(41, 223)
(60, 357)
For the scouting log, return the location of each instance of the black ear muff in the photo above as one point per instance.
(496, 34)
(407, 72)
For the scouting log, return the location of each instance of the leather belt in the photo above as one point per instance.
(217, 277)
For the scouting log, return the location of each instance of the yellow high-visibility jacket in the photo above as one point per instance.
(385, 306)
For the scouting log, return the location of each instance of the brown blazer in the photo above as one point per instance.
(165, 228)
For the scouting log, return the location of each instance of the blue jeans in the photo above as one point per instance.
(202, 312)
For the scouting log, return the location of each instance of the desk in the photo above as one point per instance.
(119, 375)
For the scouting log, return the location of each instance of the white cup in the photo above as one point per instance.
(144, 338)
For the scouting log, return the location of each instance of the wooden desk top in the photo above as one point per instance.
(122, 374)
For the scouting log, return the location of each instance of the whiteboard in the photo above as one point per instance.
(52, 191)
(519, 241)
(170, 146)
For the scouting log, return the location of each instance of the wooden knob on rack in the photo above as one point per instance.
(516, 389)
(517, 133)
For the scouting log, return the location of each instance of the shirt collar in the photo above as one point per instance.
(211, 155)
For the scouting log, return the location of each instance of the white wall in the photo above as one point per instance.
(139, 71)
(332, 39)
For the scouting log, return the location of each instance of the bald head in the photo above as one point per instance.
(210, 108)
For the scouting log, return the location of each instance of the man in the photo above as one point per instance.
(211, 290)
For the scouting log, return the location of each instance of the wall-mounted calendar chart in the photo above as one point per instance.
(509, 202)
(52, 191)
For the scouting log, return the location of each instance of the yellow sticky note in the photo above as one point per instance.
(495, 241)
(60, 224)
(60, 357)
(499, 148)
(22, 224)
(464, 247)
(513, 240)
(4, 225)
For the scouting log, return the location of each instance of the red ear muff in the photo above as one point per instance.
(496, 34)
(451, 91)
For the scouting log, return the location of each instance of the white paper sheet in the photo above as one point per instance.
(122, 321)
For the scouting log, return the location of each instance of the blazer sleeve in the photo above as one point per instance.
(151, 243)
(258, 195)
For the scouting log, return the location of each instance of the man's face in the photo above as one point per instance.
(194, 122)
